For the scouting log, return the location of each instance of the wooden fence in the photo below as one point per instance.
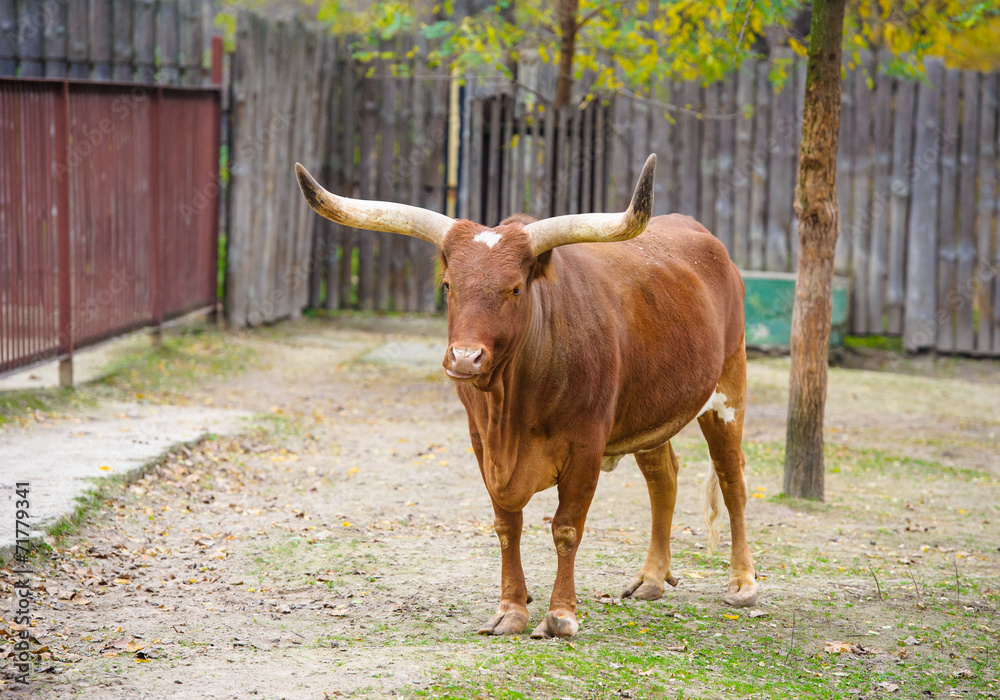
(917, 181)
(143, 41)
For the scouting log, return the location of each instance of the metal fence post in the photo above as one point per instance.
(155, 278)
(63, 247)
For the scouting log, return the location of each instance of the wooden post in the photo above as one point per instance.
(122, 44)
(55, 40)
(100, 39)
(29, 38)
(8, 37)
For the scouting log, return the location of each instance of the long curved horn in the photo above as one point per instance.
(420, 223)
(583, 228)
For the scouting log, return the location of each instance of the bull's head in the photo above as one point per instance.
(487, 273)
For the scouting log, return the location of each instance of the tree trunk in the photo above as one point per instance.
(567, 11)
(816, 209)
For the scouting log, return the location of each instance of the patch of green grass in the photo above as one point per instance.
(877, 342)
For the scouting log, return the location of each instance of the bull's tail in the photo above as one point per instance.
(712, 508)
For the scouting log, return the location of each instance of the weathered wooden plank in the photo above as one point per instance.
(122, 35)
(367, 183)
(400, 246)
(780, 184)
(100, 39)
(477, 160)
(758, 177)
(845, 168)
(860, 214)
(346, 166)
(517, 203)
(54, 39)
(191, 42)
(435, 180)
(385, 188)
(707, 193)
(726, 132)
(947, 240)
(899, 203)
(535, 154)
(800, 100)
(659, 143)
(878, 252)
(621, 149)
(919, 329)
(167, 40)
(549, 165)
(329, 235)
(688, 152)
(507, 150)
(465, 178)
(492, 159)
(575, 161)
(418, 138)
(965, 234)
(600, 198)
(78, 36)
(640, 145)
(743, 166)
(988, 224)
(587, 158)
(8, 29)
(31, 18)
(144, 40)
(240, 179)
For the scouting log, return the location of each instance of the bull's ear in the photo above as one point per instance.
(541, 267)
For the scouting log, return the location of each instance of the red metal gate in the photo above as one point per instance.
(108, 211)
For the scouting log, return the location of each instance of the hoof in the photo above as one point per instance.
(741, 595)
(641, 589)
(557, 623)
(513, 621)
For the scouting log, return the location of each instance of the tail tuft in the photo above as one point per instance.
(712, 508)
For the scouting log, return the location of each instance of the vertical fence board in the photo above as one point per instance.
(122, 48)
(348, 169)
(689, 130)
(517, 205)
(144, 39)
(621, 149)
(919, 329)
(587, 159)
(707, 193)
(29, 37)
(758, 177)
(366, 180)
(781, 185)
(845, 168)
(963, 236)
(600, 162)
(574, 161)
(8, 29)
(743, 166)
(724, 163)
(54, 39)
(100, 39)
(191, 42)
(492, 216)
(860, 215)
(900, 189)
(879, 249)
(384, 190)
(987, 238)
(167, 28)
(507, 150)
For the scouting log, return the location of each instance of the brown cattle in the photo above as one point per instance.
(569, 354)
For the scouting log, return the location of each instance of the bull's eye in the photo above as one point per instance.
(446, 287)
(516, 291)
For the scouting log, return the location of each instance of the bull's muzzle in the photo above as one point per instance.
(465, 361)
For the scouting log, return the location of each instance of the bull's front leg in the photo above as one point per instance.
(576, 488)
(512, 613)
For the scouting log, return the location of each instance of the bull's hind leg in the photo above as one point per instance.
(659, 467)
(722, 425)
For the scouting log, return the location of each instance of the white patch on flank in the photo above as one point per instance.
(717, 402)
(490, 238)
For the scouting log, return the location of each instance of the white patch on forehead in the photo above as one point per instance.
(488, 237)
(717, 402)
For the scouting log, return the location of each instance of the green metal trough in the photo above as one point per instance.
(769, 300)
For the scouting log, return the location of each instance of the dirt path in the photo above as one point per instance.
(346, 548)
